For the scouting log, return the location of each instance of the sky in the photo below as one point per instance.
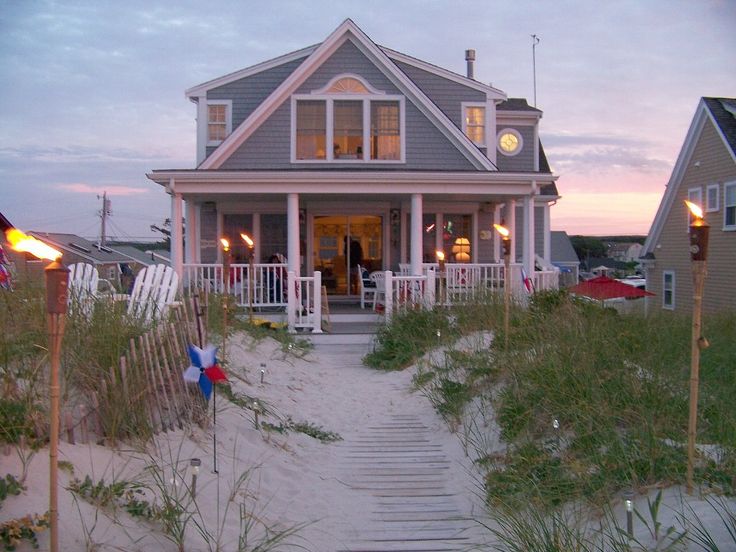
(93, 92)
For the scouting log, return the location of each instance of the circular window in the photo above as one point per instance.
(509, 141)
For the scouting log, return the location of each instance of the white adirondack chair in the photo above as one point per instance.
(154, 291)
(84, 284)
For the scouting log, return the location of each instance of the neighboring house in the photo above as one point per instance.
(626, 252)
(565, 258)
(346, 144)
(705, 173)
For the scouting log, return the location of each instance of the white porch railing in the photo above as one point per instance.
(304, 309)
(404, 293)
(268, 281)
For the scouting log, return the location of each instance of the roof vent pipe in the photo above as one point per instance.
(470, 58)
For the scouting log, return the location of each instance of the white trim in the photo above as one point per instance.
(694, 195)
(726, 186)
(519, 137)
(464, 120)
(367, 99)
(670, 306)
(711, 208)
(324, 89)
(228, 120)
(201, 89)
(702, 114)
(348, 31)
(493, 93)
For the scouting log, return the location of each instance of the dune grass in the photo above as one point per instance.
(615, 386)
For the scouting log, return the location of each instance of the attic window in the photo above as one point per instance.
(348, 85)
(219, 121)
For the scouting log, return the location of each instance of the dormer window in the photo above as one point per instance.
(474, 123)
(219, 117)
(347, 121)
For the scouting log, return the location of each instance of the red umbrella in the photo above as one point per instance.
(603, 288)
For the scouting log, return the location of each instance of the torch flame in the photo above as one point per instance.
(28, 244)
(696, 211)
(502, 230)
(246, 239)
(225, 244)
(440, 255)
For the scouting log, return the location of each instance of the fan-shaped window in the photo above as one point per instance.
(348, 85)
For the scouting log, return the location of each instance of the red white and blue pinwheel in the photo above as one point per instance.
(204, 369)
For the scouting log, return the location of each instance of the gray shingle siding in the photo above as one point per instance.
(524, 160)
(269, 147)
(249, 92)
(347, 59)
(446, 94)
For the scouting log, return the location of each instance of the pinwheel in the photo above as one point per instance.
(204, 369)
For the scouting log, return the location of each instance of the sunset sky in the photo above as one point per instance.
(93, 92)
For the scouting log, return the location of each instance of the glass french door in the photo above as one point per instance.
(341, 243)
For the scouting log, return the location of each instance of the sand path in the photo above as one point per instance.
(404, 477)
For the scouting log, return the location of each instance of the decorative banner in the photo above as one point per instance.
(528, 282)
(204, 369)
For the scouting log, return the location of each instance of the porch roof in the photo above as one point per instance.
(356, 182)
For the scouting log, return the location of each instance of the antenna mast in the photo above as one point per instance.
(535, 41)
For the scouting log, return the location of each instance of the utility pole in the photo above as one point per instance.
(104, 213)
(535, 41)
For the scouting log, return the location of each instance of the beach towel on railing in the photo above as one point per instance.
(204, 369)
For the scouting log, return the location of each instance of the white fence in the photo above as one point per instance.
(268, 282)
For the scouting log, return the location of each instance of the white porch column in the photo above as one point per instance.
(416, 235)
(528, 252)
(190, 233)
(292, 233)
(547, 254)
(177, 247)
(511, 225)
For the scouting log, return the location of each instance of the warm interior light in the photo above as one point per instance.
(695, 210)
(246, 239)
(440, 255)
(461, 250)
(28, 244)
(225, 245)
(502, 230)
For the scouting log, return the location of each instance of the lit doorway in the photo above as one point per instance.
(341, 243)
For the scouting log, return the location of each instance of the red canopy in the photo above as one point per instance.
(603, 288)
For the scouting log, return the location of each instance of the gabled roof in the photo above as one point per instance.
(517, 104)
(348, 30)
(81, 247)
(721, 112)
(561, 249)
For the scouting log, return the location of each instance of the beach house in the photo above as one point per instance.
(705, 173)
(348, 153)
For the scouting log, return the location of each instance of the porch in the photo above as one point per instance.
(273, 290)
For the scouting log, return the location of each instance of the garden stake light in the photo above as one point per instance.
(629, 502)
(506, 242)
(263, 371)
(57, 293)
(251, 274)
(698, 234)
(195, 463)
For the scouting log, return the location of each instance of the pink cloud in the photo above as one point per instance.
(80, 188)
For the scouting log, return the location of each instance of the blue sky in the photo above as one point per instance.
(93, 92)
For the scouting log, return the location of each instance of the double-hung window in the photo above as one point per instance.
(347, 121)
(729, 206)
(712, 193)
(668, 289)
(694, 195)
(474, 123)
(219, 117)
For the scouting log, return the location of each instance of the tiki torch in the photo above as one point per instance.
(441, 261)
(506, 241)
(57, 282)
(698, 254)
(251, 274)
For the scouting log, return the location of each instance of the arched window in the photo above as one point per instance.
(347, 85)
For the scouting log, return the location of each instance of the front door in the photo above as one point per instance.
(341, 243)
